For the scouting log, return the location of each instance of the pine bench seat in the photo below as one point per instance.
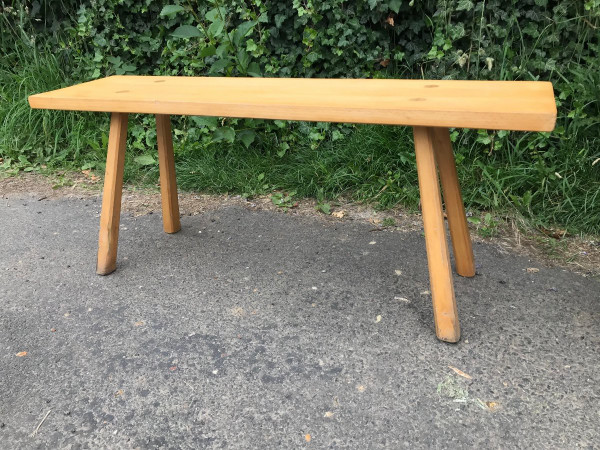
(430, 107)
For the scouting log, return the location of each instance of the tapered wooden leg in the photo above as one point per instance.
(111, 199)
(455, 209)
(440, 274)
(168, 182)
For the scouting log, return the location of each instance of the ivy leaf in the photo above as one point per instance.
(186, 31)
(247, 137)
(129, 67)
(226, 134)
(464, 5)
(395, 5)
(145, 160)
(171, 9)
(242, 31)
(200, 121)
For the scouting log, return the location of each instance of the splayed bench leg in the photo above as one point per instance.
(455, 209)
(168, 182)
(111, 199)
(440, 273)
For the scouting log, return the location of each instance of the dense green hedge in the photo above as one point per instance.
(454, 39)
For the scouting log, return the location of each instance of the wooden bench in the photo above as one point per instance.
(431, 107)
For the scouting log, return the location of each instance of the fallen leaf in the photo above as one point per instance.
(119, 392)
(532, 270)
(372, 242)
(139, 324)
(237, 311)
(556, 233)
(360, 388)
(461, 373)
(328, 414)
(398, 272)
(339, 214)
(378, 319)
(20, 354)
(307, 437)
(492, 405)
(390, 20)
(375, 220)
(384, 62)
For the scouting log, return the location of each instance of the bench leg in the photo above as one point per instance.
(455, 210)
(168, 182)
(440, 274)
(111, 199)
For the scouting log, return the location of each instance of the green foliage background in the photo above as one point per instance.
(551, 178)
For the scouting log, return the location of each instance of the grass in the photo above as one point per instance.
(551, 180)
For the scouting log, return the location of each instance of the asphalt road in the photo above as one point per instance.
(254, 329)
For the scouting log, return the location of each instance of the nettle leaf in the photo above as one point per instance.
(220, 65)
(247, 137)
(243, 59)
(208, 51)
(145, 160)
(226, 134)
(216, 28)
(216, 14)
(222, 50)
(254, 70)
(171, 9)
(242, 31)
(186, 31)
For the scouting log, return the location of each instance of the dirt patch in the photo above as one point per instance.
(579, 253)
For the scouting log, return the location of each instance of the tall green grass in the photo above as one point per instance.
(29, 137)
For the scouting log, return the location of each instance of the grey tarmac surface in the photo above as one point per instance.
(254, 329)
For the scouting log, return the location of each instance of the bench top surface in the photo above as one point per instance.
(510, 105)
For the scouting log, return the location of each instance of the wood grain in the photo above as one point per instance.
(168, 183)
(440, 274)
(111, 199)
(511, 105)
(455, 210)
